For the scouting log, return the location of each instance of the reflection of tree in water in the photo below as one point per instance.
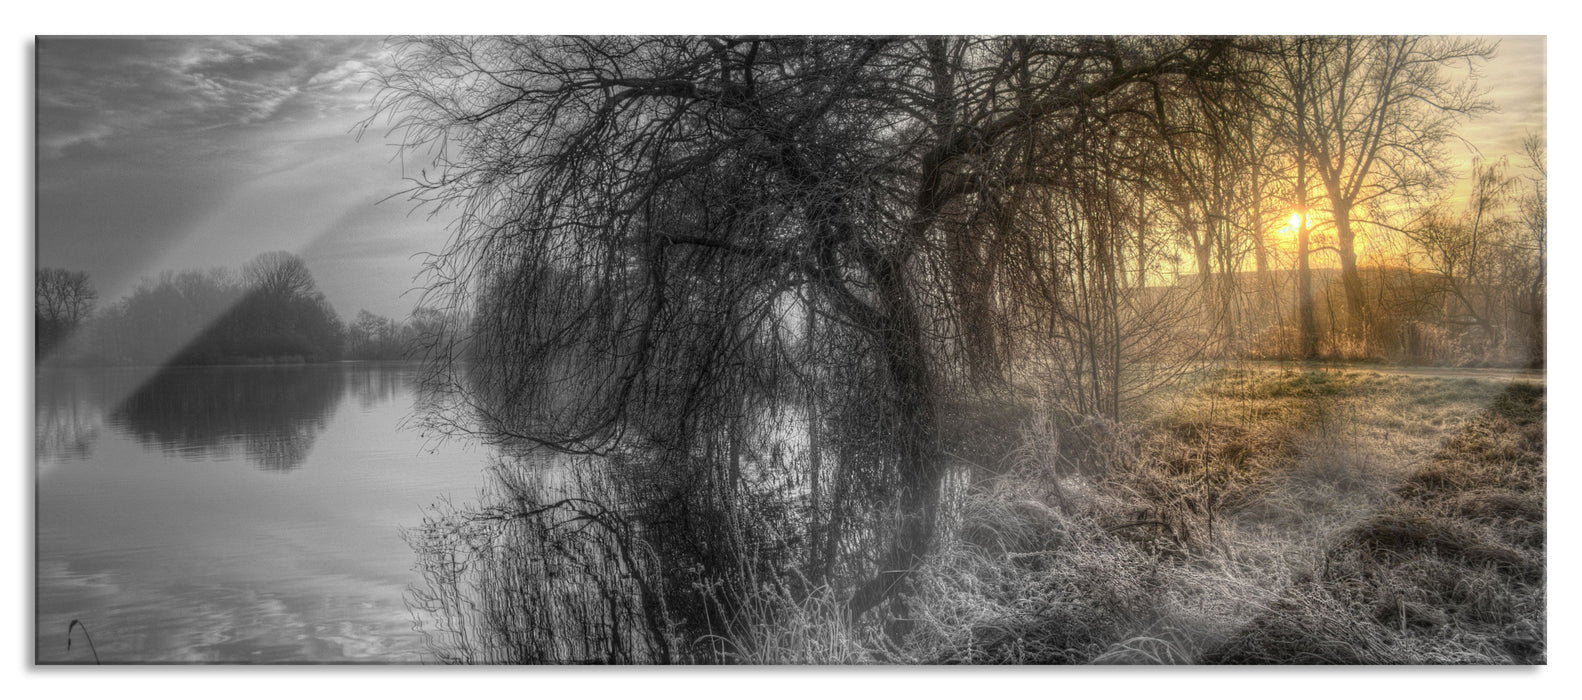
(68, 416)
(281, 450)
(374, 384)
(573, 560)
(538, 576)
(273, 414)
(649, 555)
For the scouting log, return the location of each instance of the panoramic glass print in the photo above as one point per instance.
(791, 350)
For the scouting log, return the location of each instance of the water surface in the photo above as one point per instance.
(233, 514)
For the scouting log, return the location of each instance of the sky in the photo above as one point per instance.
(188, 152)
(1516, 83)
(200, 152)
(182, 153)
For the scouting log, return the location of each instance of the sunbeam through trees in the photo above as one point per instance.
(784, 349)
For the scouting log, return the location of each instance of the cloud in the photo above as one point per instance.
(62, 139)
(345, 76)
(1515, 81)
(116, 92)
(162, 152)
(223, 50)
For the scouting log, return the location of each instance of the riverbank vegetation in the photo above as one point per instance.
(1266, 517)
(830, 349)
(1256, 516)
(272, 312)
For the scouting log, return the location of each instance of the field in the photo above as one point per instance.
(1257, 516)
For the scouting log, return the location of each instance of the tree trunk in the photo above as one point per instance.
(815, 445)
(1351, 280)
(1307, 321)
(920, 467)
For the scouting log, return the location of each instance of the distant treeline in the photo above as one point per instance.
(270, 312)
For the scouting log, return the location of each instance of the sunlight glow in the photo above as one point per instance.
(1288, 231)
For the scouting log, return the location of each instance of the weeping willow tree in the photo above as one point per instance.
(741, 274)
(1091, 256)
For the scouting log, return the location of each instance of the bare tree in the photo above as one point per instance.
(1085, 263)
(1292, 86)
(1534, 213)
(1463, 249)
(62, 300)
(63, 296)
(1378, 121)
(1204, 175)
(634, 215)
(280, 274)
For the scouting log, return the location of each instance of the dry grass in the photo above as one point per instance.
(1263, 517)
(1260, 517)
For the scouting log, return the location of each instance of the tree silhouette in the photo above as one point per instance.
(280, 274)
(1377, 122)
(636, 215)
(62, 300)
(207, 317)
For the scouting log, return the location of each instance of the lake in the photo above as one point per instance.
(234, 514)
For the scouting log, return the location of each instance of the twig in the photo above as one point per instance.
(89, 637)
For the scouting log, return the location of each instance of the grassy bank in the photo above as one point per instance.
(1258, 517)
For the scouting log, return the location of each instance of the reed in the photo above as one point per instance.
(72, 627)
(1258, 518)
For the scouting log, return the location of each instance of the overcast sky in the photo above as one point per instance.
(177, 153)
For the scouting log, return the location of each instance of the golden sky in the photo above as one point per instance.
(1516, 81)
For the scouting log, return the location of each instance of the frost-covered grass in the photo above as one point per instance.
(1260, 517)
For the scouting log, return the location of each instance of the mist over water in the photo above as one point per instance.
(809, 350)
(234, 514)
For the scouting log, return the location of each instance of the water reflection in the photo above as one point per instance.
(372, 388)
(159, 539)
(271, 414)
(69, 415)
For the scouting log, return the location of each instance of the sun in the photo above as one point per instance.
(1292, 226)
